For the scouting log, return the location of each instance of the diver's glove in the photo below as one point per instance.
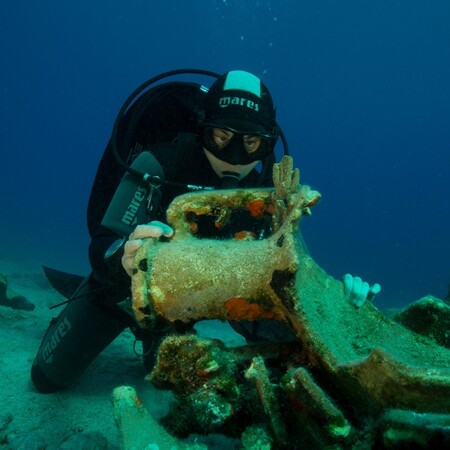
(358, 291)
(154, 229)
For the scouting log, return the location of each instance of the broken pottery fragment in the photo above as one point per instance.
(351, 366)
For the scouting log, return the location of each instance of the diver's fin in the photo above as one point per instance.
(65, 283)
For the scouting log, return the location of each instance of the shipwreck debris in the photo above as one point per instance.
(352, 369)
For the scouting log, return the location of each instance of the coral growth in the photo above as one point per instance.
(354, 379)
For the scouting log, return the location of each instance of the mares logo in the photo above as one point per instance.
(129, 217)
(227, 101)
(58, 334)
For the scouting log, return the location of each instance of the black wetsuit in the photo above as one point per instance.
(93, 319)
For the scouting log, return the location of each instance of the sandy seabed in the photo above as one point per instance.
(82, 416)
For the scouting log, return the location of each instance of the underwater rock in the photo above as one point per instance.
(429, 317)
(218, 389)
(11, 299)
(202, 375)
(351, 365)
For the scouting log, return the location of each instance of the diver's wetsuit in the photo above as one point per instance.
(93, 319)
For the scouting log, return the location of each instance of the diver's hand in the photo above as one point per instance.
(153, 229)
(358, 291)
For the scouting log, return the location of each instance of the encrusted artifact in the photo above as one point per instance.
(353, 378)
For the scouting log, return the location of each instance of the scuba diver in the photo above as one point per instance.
(167, 140)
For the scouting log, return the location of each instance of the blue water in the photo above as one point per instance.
(362, 92)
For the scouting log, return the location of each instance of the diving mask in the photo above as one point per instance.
(236, 147)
